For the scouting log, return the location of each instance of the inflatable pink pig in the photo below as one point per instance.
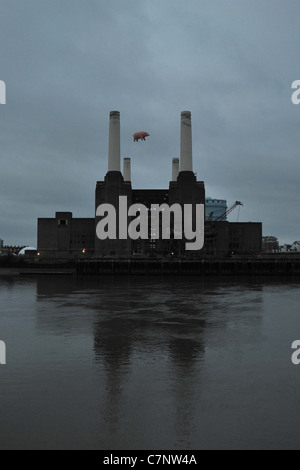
(140, 135)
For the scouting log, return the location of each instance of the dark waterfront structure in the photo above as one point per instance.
(236, 266)
(67, 237)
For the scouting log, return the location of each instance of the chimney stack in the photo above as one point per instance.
(186, 158)
(114, 148)
(175, 169)
(127, 169)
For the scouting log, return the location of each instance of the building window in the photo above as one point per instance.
(63, 222)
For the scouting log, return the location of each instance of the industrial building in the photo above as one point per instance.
(66, 237)
(215, 208)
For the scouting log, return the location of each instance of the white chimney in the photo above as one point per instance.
(114, 148)
(175, 169)
(186, 158)
(127, 169)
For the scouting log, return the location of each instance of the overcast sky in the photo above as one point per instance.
(68, 63)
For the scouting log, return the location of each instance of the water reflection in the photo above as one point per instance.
(160, 325)
(149, 363)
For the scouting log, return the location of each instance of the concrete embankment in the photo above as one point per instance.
(213, 266)
(264, 265)
(15, 271)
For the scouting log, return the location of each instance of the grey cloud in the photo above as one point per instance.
(66, 64)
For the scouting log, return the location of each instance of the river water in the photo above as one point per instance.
(149, 363)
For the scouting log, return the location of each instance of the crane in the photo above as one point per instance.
(211, 231)
(223, 216)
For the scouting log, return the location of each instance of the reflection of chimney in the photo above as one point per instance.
(127, 169)
(114, 150)
(175, 168)
(186, 158)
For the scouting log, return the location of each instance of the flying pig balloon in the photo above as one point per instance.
(140, 135)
